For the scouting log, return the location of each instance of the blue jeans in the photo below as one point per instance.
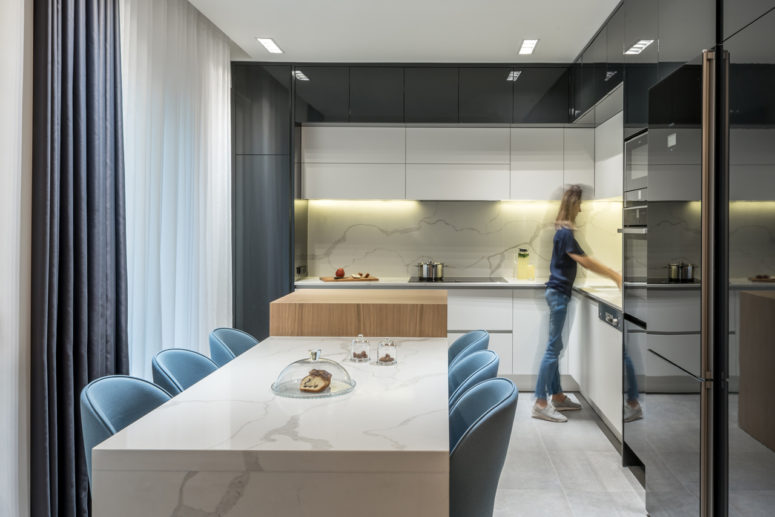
(549, 371)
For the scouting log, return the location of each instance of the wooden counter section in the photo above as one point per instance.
(756, 413)
(371, 312)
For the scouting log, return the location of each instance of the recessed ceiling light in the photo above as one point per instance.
(514, 75)
(609, 75)
(298, 74)
(528, 46)
(638, 47)
(270, 45)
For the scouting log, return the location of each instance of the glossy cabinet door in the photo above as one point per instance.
(609, 158)
(641, 22)
(376, 94)
(685, 29)
(739, 13)
(324, 95)
(751, 225)
(261, 95)
(261, 233)
(485, 95)
(614, 70)
(431, 94)
(537, 163)
(541, 95)
(579, 160)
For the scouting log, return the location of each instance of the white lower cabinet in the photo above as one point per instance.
(596, 362)
(531, 332)
(500, 343)
(483, 309)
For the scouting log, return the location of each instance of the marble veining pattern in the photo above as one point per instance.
(472, 238)
(229, 446)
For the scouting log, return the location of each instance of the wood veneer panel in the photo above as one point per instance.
(371, 312)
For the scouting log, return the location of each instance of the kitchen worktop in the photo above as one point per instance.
(607, 294)
(230, 438)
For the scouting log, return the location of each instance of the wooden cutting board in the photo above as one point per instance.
(348, 279)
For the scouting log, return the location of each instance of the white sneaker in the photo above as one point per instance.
(566, 405)
(548, 413)
(632, 413)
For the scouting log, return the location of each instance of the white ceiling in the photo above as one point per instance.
(405, 31)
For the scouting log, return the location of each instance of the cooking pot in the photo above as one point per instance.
(680, 272)
(430, 270)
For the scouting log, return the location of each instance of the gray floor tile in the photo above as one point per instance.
(528, 470)
(751, 503)
(590, 471)
(531, 503)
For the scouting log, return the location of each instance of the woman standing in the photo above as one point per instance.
(566, 254)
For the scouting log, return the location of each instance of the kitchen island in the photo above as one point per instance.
(229, 446)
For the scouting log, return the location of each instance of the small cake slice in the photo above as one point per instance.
(316, 381)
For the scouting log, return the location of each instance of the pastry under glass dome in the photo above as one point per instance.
(289, 381)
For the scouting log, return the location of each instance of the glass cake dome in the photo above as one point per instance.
(313, 377)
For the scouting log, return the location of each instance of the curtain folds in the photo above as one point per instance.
(79, 290)
(176, 83)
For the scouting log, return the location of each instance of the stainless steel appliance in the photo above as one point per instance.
(636, 161)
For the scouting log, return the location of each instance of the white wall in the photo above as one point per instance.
(15, 181)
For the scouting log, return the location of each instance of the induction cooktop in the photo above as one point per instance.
(462, 279)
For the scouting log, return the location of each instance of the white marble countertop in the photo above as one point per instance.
(403, 282)
(229, 446)
(392, 408)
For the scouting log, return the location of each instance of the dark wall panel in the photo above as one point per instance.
(261, 108)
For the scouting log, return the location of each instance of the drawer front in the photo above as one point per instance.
(479, 309)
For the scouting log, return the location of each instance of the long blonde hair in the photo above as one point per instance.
(566, 217)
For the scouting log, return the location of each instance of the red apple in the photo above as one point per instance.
(339, 273)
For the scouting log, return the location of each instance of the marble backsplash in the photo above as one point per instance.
(472, 238)
(675, 236)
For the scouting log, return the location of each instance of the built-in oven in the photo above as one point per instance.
(636, 161)
(635, 252)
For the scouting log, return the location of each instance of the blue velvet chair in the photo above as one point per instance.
(480, 425)
(466, 344)
(176, 369)
(228, 343)
(111, 403)
(472, 369)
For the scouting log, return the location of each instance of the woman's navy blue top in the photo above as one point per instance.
(563, 268)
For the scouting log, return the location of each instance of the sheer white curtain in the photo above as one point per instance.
(176, 91)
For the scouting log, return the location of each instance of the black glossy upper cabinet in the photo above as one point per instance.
(593, 71)
(614, 70)
(686, 28)
(376, 94)
(430, 94)
(541, 94)
(322, 93)
(739, 13)
(261, 95)
(486, 95)
(641, 25)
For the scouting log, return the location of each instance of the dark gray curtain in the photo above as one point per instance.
(79, 288)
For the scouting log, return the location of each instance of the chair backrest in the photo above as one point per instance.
(480, 425)
(467, 343)
(228, 343)
(111, 403)
(176, 369)
(472, 369)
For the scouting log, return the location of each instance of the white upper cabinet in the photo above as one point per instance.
(353, 144)
(536, 163)
(579, 159)
(353, 180)
(474, 145)
(609, 158)
(471, 181)
(353, 162)
(457, 163)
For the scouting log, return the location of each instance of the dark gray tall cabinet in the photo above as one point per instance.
(262, 192)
